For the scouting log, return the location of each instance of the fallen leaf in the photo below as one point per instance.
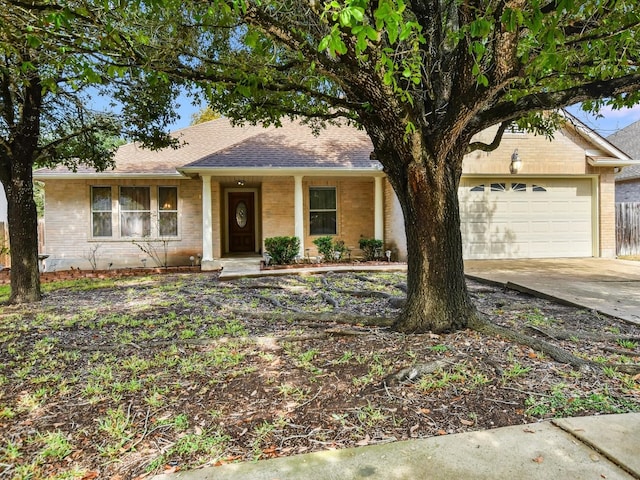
(468, 423)
(90, 475)
(442, 432)
(425, 411)
(539, 459)
(528, 430)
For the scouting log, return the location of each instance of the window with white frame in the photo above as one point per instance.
(322, 211)
(168, 211)
(101, 209)
(135, 211)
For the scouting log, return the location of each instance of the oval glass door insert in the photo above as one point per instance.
(241, 214)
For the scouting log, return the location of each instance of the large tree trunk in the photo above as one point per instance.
(16, 172)
(437, 296)
(23, 238)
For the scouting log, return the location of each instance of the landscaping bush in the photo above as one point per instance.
(325, 247)
(369, 247)
(282, 250)
(328, 248)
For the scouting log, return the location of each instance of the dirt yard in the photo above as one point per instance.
(125, 378)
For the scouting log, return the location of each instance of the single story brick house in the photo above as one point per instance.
(228, 188)
(627, 139)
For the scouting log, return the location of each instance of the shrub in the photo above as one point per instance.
(369, 247)
(325, 247)
(328, 248)
(283, 250)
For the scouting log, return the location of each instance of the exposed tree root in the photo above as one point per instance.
(329, 299)
(557, 353)
(415, 372)
(597, 336)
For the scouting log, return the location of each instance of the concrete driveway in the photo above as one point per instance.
(606, 285)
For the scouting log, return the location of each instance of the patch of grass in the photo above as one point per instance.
(515, 370)
(439, 348)
(209, 444)
(630, 344)
(536, 318)
(288, 390)
(55, 446)
(462, 375)
(565, 403)
(370, 416)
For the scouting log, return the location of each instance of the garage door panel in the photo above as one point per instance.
(553, 222)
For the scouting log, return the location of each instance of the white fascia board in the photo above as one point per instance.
(279, 172)
(596, 160)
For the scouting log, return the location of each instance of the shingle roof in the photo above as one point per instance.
(218, 144)
(627, 139)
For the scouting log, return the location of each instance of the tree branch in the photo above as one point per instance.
(490, 147)
(508, 110)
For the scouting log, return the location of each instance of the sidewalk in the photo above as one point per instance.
(601, 447)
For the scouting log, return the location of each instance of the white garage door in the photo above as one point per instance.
(526, 218)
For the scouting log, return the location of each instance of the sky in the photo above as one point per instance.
(610, 121)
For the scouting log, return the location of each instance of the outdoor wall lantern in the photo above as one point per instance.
(241, 183)
(516, 162)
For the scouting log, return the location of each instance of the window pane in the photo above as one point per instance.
(135, 198)
(102, 224)
(478, 188)
(135, 224)
(168, 224)
(322, 223)
(101, 211)
(322, 198)
(498, 187)
(101, 199)
(519, 187)
(167, 198)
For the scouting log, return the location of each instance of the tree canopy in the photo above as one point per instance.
(54, 56)
(422, 78)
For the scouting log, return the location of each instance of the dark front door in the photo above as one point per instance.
(241, 222)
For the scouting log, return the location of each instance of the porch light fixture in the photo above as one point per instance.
(516, 162)
(240, 183)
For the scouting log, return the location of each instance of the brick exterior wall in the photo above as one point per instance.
(607, 208)
(277, 207)
(68, 226)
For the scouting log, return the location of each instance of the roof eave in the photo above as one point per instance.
(599, 161)
(41, 176)
(281, 171)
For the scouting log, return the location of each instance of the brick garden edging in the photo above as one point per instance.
(46, 277)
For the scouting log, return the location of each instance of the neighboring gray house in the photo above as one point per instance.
(628, 179)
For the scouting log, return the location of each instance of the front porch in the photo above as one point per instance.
(239, 212)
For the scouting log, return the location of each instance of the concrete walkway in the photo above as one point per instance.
(605, 285)
(600, 447)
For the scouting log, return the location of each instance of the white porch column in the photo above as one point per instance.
(378, 212)
(298, 212)
(207, 262)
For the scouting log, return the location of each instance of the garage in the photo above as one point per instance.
(526, 217)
